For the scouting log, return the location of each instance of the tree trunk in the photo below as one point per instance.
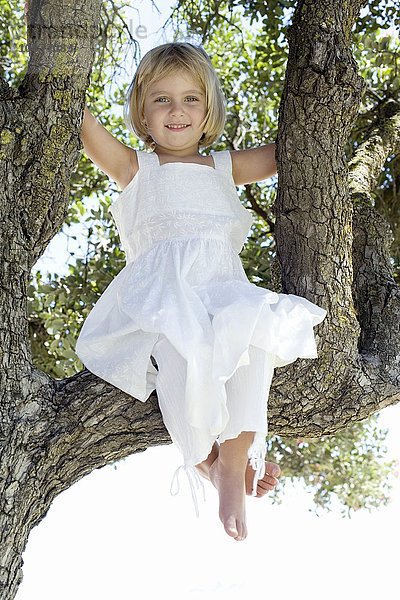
(314, 235)
(55, 432)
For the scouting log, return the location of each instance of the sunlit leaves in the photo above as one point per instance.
(349, 470)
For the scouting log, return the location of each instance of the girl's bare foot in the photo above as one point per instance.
(264, 485)
(230, 483)
(267, 483)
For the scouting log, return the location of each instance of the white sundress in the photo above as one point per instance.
(182, 227)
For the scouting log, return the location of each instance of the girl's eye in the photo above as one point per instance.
(165, 98)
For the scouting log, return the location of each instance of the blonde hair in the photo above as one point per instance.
(167, 59)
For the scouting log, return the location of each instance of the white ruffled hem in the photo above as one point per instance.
(211, 324)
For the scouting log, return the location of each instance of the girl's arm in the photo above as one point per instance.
(112, 157)
(253, 164)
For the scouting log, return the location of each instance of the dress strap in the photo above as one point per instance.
(223, 161)
(146, 158)
(194, 482)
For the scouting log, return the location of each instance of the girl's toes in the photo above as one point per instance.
(267, 480)
(241, 528)
(260, 491)
(266, 485)
(244, 532)
(275, 472)
(231, 527)
(272, 469)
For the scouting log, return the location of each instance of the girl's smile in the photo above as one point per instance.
(174, 127)
(174, 110)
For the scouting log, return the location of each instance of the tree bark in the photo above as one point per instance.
(39, 149)
(314, 234)
(376, 295)
(55, 432)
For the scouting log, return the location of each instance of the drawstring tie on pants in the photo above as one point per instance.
(194, 481)
(256, 454)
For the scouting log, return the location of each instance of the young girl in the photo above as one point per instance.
(183, 296)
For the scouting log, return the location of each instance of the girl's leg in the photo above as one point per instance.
(194, 444)
(247, 394)
(264, 485)
(227, 474)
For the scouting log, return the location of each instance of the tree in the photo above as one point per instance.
(331, 247)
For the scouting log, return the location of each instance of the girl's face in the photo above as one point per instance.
(176, 99)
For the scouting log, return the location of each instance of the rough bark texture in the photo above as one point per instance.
(314, 234)
(55, 432)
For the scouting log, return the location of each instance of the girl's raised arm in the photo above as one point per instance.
(112, 157)
(253, 164)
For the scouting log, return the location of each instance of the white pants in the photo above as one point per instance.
(247, 394)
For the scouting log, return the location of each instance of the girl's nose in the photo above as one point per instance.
(176, 108)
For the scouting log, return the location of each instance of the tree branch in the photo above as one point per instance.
(83, 423)
(371, 155)
(250, 195)
(376, 294)
(50, 99)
